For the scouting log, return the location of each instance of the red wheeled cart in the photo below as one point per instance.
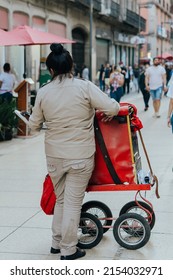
(118, 167)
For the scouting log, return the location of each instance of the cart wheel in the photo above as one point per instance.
(126, 231)
(132, 207)
(100, 211)
(90, 231)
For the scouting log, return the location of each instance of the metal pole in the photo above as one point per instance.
(91, 27)
(161, 39)
(139, 29)
(24, 74)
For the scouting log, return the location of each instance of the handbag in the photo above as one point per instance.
(98, 75)
(131, 85)
(48, 197)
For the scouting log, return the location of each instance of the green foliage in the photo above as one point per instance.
(8, 119)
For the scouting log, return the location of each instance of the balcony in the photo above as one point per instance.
(163, 33)
(115, 9)
(96, 4)
(102, 7)
(136, 21)
(86, 3)
(110, 13)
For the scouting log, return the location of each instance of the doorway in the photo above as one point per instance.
(78, 49)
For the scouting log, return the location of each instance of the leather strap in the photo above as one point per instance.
(105, 154)
(155, 179)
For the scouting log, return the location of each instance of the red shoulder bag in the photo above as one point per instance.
(48, 197)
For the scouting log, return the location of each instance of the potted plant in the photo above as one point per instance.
(8, 119)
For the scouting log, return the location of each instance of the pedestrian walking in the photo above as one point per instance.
(101, 78)
(67, 106)
(145, 93)
(136, 77)
(123, 71)
(76, 71)
(85, 72)
(128, 78)
(170, 107)
(155, 83)
(116, 84)
(106, 76)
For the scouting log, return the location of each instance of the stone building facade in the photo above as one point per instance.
(103, 30)
(159, 24)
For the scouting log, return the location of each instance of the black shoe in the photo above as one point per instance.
(78, 254)
(54, 251)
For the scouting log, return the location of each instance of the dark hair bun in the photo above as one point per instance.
(56, 48)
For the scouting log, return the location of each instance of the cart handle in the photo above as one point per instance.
(155, 179)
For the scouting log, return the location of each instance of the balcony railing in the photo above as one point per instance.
(135, 20)
(86, 3)
(115, 9)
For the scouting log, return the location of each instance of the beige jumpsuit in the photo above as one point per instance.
(68, 109)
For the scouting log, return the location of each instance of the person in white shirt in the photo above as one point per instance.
(155, 83)
(7, 82)
(67, 106)
(85, 73)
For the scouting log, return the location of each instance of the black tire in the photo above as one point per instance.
(131, 239)
(132, 207)
(90, 231)
(101, 211)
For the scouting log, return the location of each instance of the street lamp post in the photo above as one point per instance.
(161, 49)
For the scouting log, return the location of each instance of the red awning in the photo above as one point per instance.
(166, 55)
(6, 39)
(31, 36)
(25, 35)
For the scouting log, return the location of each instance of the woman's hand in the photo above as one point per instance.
(105, 118)
(169, 122)
(25, 114)
(147, 88)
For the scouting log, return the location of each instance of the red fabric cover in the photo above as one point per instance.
(136, 123)
(48, 197)
(132, 110)
(124, 111)
(118, 142)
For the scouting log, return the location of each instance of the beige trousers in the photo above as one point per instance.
(70, 179)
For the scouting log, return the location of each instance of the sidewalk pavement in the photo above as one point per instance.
(25, 231)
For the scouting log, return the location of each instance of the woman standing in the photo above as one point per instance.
(67, 106)
(116, 82)
(7, 82)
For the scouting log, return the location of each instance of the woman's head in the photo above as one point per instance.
(59, 61)
(6, 67)
(117, 68)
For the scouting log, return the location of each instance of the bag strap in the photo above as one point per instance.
(105, 154)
